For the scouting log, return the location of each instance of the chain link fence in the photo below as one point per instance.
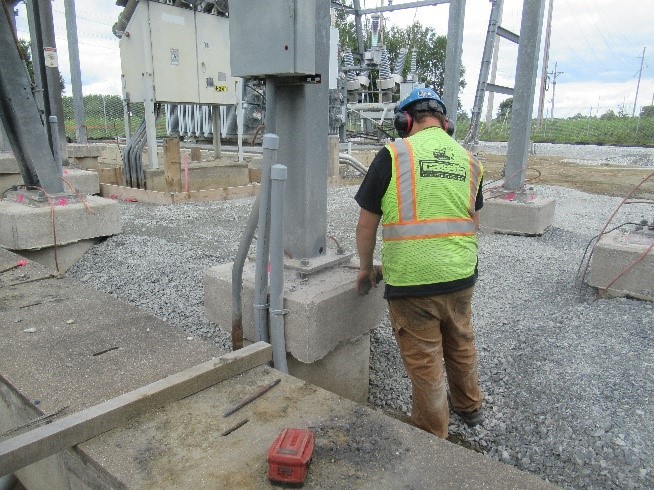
(105, 120)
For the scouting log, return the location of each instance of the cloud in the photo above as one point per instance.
(597, 46)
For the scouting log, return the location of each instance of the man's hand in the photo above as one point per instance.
(365, 237)
(368, 278)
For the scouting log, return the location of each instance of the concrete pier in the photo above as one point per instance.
(622, 264)
(327, 325)
(513, 213)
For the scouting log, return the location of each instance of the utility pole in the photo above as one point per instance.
(546, 57)
(640, 72)
(75, 72)
(554, 74)
(493, 74)
(46, 71)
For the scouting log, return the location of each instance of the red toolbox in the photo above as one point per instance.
(289, 456)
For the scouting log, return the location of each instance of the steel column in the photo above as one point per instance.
(523, 99)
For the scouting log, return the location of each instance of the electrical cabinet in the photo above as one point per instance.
(273, 37)
(186, 53)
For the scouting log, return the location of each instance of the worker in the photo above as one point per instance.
(426, 190)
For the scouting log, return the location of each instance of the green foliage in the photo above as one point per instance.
(614, 131)
(647, 111)
(504, 110)
(104, 117)
(430, 61)
(25, 50)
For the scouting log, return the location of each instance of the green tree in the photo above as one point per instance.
(647, 111)
(504, 111)
(609, 115)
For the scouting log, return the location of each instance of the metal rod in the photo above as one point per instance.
(251, 398)
(234, 427)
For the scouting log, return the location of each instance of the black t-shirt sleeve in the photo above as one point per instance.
(374, 185)
(479, 203)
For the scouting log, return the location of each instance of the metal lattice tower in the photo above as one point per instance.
(483, 86)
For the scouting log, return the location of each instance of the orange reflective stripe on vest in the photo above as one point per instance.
(409, 227)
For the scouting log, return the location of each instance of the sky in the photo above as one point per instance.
(595, 55)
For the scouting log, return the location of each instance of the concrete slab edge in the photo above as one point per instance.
(123, 193)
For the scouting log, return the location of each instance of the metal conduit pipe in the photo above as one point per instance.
(128, 155)
(136, 146)
(372, 106)
(237, 275)
(270, 145)
(352, 162)
(138, 160)
(278, 188)
(123, 18)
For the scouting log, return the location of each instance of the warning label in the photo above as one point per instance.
(50, 55)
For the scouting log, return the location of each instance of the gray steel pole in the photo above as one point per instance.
(215, 125)
(54, 124)
(453, 53)
(270, 146)
(640, 72)
(46, 70)
(357, 23)
(20, 117)
(493, 73)
(302, 123)
(278, 339)
(75, 72)
(523, 99)
(546, 58)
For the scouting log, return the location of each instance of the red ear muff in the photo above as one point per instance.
(403, 122)
(449, 126)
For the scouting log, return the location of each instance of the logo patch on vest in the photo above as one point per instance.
(442, 167)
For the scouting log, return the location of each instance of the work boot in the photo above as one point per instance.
(473, 418)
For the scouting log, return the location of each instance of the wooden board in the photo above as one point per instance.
(45, 441)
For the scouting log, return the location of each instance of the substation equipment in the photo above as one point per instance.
(362, 86)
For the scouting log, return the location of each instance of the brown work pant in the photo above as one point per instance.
(428, 330)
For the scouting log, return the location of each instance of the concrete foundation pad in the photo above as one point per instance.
(323, 309)
(202, 175)
(25, 227)
(154, 197)
(622, 264)
(8, 164)
(344, 371)
(60, 258)
(86, 156)
(326, 328)
(77, 180)
(83, 181)
(9, 180)
(530, 216)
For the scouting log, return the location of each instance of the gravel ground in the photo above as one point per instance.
(568, 378)
(584, 154)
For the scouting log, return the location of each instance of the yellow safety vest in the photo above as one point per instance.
(428, 231)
